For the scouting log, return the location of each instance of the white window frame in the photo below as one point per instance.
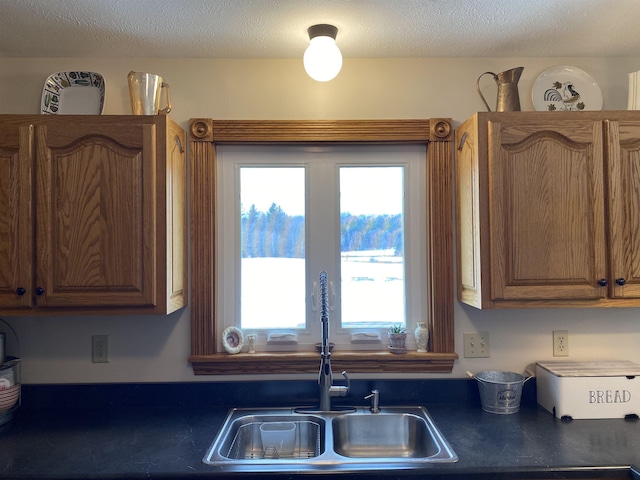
(321, 190)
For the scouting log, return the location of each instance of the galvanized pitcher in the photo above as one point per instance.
(508, 97)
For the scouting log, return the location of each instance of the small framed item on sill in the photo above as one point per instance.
(232, 340)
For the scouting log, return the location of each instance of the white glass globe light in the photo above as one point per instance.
(322, 59)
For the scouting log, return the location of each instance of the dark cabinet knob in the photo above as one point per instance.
(603, 282)
(39, 290)
(20, 291)
(620, 281)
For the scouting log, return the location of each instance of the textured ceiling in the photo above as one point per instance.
(277, 28)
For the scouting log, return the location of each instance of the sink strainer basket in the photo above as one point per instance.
(500, 392)
(275, 439)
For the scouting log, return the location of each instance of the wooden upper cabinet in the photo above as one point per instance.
(624, 207)
(106, 209)
(548, 209)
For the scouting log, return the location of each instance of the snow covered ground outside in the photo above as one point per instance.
(274, 289)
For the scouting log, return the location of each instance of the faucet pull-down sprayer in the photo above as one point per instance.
(325, 377)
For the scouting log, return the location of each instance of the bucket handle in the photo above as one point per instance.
(530, 373)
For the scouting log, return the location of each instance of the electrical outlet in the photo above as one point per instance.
(476, 345)
(560, 343)
(100, 348)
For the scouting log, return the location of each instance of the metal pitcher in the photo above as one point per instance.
(508, 97)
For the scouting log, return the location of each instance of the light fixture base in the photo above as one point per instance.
(322, 30)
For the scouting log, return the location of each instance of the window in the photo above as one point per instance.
(291, 212)
(374, 257)
(206, 142)
(269, 226)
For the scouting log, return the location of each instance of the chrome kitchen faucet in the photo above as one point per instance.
(325, 377)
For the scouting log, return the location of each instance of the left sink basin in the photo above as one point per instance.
(272, 436)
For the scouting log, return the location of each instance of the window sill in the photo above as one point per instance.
(309, 362)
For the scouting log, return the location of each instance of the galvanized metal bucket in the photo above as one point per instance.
(500, 392)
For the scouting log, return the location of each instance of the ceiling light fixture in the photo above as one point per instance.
(322, 58)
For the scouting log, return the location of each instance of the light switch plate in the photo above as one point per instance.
(476, 345)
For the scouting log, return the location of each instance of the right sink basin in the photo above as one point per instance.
(383, 435)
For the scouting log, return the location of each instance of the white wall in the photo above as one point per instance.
(155, 349)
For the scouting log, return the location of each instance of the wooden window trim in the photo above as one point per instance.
(205, 134)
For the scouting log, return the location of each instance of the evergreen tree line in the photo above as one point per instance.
(276, 234)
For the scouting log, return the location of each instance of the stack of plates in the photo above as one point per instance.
(9, 401)
(634, 91)
(9, 397)
(9, 389)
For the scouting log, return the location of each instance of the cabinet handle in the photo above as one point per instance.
(20, 291)
(620, 281)
(179, 142)
(462, 140)
(39, 290)
(603, 282)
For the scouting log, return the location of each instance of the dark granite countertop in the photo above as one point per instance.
(130, 431)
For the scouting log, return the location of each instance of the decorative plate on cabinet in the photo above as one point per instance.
(565, 88)
(75, 93)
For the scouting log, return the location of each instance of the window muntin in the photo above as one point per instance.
(324, 168)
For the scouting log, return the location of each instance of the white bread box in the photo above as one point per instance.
(578, 390)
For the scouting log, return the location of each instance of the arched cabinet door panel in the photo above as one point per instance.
(16, 215)
(624, 207)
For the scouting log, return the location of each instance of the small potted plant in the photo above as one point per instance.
(398, 339)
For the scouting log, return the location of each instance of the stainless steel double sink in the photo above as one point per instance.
(261, 440)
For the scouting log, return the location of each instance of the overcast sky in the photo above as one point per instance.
(365, 191)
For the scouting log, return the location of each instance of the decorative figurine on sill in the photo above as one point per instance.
(251, 339)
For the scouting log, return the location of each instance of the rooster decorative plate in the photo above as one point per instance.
(565, 89)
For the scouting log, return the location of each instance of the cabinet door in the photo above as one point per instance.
(176, 220)
(95, 230)
(624, 208)
(16, 216)
(470, 186)
(547, 210)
